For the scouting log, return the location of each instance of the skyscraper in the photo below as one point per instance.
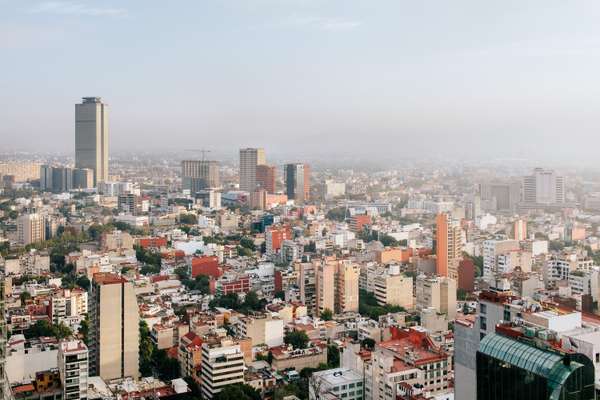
(250, 158)
(199, 174)
(91, 137)
(297, 182)
(521, 369)
(543, 187)
(114, 328)
(448, 248)
(265, 177)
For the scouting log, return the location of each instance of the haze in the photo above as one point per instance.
(406, 78)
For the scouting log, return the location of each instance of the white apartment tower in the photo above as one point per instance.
(91, 137)
(222, 365)
(73, 369)
(249, 159)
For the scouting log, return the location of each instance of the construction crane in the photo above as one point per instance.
(203, 151)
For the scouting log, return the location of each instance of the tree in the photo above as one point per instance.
(146, 350)
(368, 343)
(45, 328)
(337, 214)
(189, 219)
(326, 315)
(297, 339)
(238, 391)
(83, 282)
(251, 301)
(24, 297)
(333, 356)
(248, 243)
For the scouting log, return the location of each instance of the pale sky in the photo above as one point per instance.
(507, 78)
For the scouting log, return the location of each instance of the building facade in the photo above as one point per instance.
(91, 137)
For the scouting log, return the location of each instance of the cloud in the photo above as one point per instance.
(322, 23)
(77, 8)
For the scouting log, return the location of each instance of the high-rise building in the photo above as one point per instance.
(265, 177)
(509, 368)
(438, 293)
(297, 182)
(336, 286)
(448, 249)
(250, 158)
(91, 137)
(543, 187)
(500, 196)
(395, 289)
(31, 228)
(45, 178)
(73, 369)
(62, 179)
(129, 203)
(199, 174)
(222, 364)
(114, 328)
(520, 229)
(83, 178)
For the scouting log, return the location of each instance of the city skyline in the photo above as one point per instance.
(272, 71)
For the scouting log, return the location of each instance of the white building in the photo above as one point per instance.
(73, 369)
(343, 383)
(222, 365)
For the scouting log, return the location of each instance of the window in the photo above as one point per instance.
(597, 357)
(482, 308)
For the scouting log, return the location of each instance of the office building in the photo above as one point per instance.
(249, 159)
(209, 198)
(500, 196)
(438, 293)
(265, 177)
(91, 137)
(31, 228)
(222, 365)
(517, 369)
(543, 187)
(448, 250)
(45, 178)
(83, 178)
(297, 182)
(114, 328)
(129, 203)
(73, 369)
(62, 179)
(334, 189)
(199, 174)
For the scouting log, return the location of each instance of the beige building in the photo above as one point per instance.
(22, 171)
(396, 290)
(116, 240)
(31, 228)
(438, 293)
(262, 329)
(298, 359)
(114, 328)
(91, 137)
(336, 286)
(249, 159)
(199, 174)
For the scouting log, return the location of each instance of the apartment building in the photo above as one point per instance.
(73, 369)
(222, 364)
(438, 293)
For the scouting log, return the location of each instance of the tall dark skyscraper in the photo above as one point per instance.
(297, 182)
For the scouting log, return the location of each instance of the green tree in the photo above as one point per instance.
(298, 339)
(238, 391)
(247, 243)
(146, 350)
(326, 315)
(333, 356)
(368, 343)
(337, 214)
(189, 219)
(24, 297)
(83, 282)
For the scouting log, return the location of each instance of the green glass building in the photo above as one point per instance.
(511, 369)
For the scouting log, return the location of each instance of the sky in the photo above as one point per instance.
(394, 78)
